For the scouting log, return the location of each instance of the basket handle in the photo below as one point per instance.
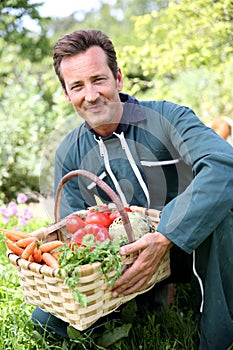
(114, 197)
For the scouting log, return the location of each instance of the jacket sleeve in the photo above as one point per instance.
(66, 160)
(192, 216)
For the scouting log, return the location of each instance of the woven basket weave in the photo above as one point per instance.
(45, 288)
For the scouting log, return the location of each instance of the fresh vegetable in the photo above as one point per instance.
(37, 255)
(55, 254)
(31, 259)
(115, 214)
(14, 248)
(98, 215)
(14, 236)
(50, 260)
(96, 237)
(49, 246)
(107, 253)
(78, 237)
(74, 223)
(24, 242)
(98, 231)
(141, 224)
(99, 218)
(29, 250)
(92, 233)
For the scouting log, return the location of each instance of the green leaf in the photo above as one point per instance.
(73, 333)
(112, 337)
(70, 260)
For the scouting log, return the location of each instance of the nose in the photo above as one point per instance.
(91, 94)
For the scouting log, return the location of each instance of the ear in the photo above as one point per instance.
(119, 79)
(66, 95)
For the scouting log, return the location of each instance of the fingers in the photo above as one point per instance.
(128, 285)
(151, 240)
(136, 287)
(133, 247)
(150, 248)
(137, 277)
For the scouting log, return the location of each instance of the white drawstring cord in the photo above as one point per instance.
(136, 171)
(199, 280)
(160, 162)
(93, 184)
(104, 154)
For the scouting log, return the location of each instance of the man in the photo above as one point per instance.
(154, 154)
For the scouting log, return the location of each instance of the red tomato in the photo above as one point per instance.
(128, 209)
(92, 233)
(99, 218)
(99, 208)
(78, 236)
(74, 223)
(98, 231)
(115, 214)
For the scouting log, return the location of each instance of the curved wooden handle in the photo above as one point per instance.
(114, 197)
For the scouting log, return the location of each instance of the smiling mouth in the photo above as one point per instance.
(95, 109)
(98, 107)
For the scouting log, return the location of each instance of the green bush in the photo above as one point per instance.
(32, 105)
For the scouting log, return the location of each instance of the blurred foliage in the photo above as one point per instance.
(181, 37)
(174, 50)
(13, 30)
(30, 109)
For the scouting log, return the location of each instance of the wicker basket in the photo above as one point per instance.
(45, 288)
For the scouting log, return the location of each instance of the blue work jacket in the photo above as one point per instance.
(184, 168)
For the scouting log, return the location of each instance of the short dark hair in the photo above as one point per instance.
(80, 41)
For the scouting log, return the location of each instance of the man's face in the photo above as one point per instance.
(93, 90)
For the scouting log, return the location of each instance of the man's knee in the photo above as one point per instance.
(46, 322)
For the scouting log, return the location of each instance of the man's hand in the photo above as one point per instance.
(151, 248)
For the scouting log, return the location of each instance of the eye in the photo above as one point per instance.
(99, 79)
(76, 87)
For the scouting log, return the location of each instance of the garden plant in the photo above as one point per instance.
(141, 328)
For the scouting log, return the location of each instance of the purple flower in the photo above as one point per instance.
(23, 221)
(12, 209)
(27, 213)
(16, 212)
(5, 219)
(21, 198)
(3, 211)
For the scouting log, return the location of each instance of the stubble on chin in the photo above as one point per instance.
(110, 115)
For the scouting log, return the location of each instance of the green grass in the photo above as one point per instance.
(174, 329)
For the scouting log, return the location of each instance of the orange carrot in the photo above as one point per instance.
(37, 255)
(55, 254)
(49, 246)
(24, 242)
(50, 260)
(16, 250)
(31, 259)
(14, 236)
(29, 250)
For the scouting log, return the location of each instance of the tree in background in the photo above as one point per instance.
(184, 53)
(28, 97)
(13, 17)
(174, 50)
